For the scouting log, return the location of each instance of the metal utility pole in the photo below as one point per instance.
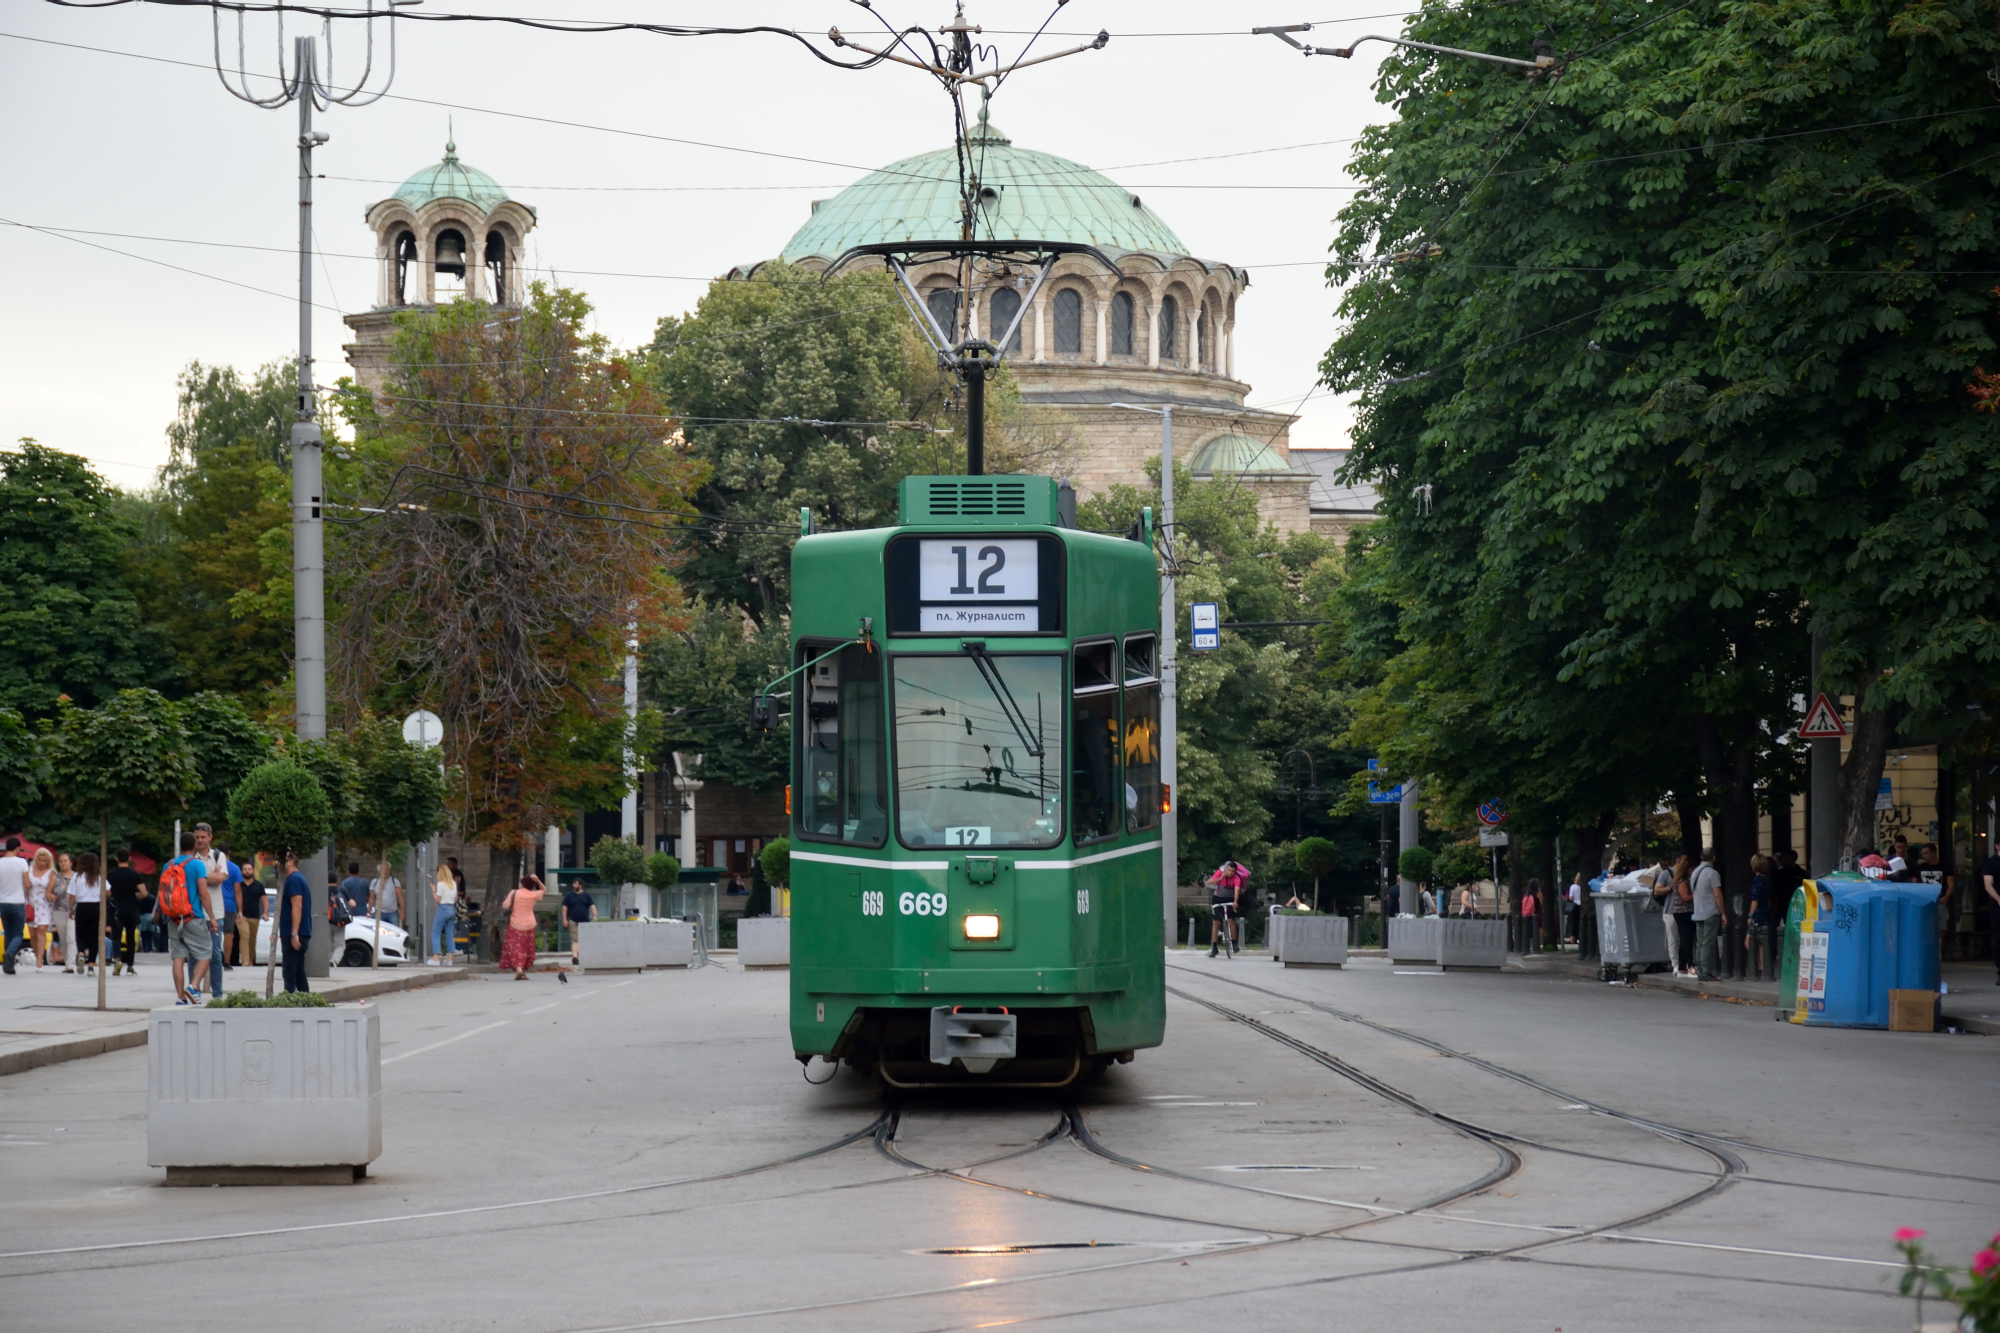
(305, 84)
(628, 809)
(1409, 831)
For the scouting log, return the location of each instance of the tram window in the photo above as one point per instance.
(1006, 305)
(966, 774)
(1094, 783)
(1139, 665)
(839, 725)
(1121, 324)
(1069, 320)
(1142, 742)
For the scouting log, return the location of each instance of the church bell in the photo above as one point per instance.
(451, 255)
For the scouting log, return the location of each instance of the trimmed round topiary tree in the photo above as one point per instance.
(776, 859)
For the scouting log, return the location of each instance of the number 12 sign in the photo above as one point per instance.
(967, 584)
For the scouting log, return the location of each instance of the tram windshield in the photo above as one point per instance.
(967, 728)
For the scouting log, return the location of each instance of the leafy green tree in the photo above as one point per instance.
(618, 862)
(1316, 857)
(1416, 864)
(1461, 863)
(776, 860)
(1670, 360)
(399, 788)
(333, 765)
(22, 767)
(662, 872)
(227, 745)
(701, 672)
(218, 408)
(70, 623)
(279, 808)
(128, 756)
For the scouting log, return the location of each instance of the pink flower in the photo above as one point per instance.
(1985, 1262)
(1904, 1235)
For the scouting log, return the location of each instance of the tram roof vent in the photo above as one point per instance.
(979, 502)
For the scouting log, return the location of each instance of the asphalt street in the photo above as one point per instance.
(1376, 1147)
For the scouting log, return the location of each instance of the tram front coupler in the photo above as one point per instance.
(977, 1038)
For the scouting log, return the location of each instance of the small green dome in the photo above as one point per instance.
(1237, 453)
(451, 179)
(1025, 196)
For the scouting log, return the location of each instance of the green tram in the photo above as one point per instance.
(976, 792)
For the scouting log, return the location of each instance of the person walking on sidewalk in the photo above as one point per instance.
(444, 925)
(518, 949)
(62, 944)
(1763, 895)
(1680, 916)
(180, 907)
(292, 925)
(578, 907)
(221, 898)
(14, 901)
(250, 899)
(1529, 898)
(41, 910)
(86, 889)
(1710, 915)
(127, 886)
(385, 893)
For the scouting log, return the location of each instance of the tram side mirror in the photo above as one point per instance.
(763, 714)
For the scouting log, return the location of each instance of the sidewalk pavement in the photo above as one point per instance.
(50, 1016)
(1971, 1001)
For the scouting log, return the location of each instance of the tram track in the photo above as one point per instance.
(1726, 1146)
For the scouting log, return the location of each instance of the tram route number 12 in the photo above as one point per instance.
(921, 904)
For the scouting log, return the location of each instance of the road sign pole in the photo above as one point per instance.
(1823, 774)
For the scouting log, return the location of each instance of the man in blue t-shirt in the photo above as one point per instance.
(189, 940)
(292, 924)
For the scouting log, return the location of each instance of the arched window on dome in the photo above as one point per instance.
(1006, 305)
(1201, 340)
(1170, 318)
(496, 268)
(403, 252)
(944, 309)
(1121, 324)
(1069, 320)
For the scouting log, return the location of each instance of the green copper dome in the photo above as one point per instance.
(1025, 196)
(451, 179)
(1236, 453)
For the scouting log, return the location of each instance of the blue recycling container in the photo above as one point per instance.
(1873, 937)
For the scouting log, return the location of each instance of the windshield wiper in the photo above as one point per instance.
(989, 671)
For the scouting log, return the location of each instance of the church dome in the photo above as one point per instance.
(451, 179)
(1024, 196)
(1237, 453)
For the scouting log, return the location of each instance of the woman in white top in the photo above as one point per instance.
(86, 889)
(41, 909)
(444, 925)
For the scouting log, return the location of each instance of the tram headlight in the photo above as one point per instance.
(982, 926)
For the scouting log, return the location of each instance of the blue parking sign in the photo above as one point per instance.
(1206, 626)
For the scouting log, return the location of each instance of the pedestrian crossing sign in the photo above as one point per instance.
(1822, 721)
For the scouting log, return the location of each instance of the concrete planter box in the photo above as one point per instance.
(1414, 939)
(264, 1096)
(668, 943)
(611, 946)
(1274, 935)
(1314, 941)
(764, 941)
(1466, 943)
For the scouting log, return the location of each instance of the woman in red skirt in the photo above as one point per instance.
(518, 950)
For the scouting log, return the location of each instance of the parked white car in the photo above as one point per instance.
(356, 948)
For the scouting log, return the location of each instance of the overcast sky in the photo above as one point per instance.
(92, 341)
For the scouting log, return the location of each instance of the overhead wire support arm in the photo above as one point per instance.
(839, 39)
(764, 707)
(1284, 34)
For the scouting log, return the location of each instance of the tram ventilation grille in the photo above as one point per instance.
(978, 499)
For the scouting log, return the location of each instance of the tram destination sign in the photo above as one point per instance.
(967, 583)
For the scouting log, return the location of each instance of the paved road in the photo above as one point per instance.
(640, 1151)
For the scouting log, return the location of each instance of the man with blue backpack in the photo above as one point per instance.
(179, 906)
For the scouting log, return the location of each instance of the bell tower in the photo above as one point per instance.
(448, 233)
